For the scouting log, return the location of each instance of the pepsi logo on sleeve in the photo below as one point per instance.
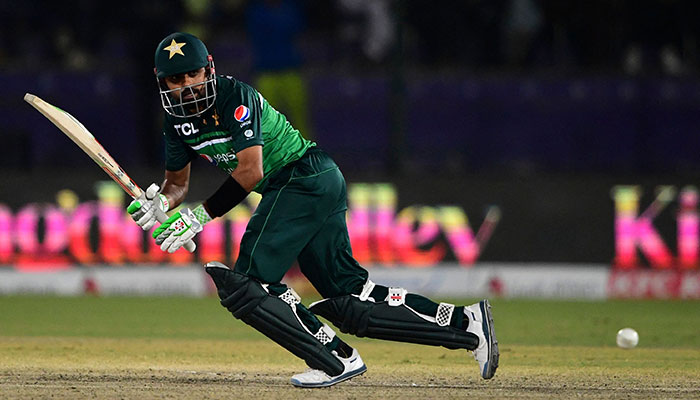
(242, 113)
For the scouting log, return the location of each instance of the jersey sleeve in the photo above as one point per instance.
(177, 153)
(242, 115)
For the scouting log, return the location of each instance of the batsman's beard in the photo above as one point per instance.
(191, 100)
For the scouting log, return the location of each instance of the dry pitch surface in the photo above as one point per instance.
(56, 355)
(72, 368)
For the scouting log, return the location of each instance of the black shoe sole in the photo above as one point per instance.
(491, 366)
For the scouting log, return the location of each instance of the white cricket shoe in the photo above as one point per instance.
(481, 324)
(315, 378)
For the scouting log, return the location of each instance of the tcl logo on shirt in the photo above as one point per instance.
(185, 129)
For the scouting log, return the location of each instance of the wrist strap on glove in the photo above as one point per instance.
(165, 205)
(201, 214)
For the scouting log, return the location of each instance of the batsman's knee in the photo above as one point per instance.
(238, 293)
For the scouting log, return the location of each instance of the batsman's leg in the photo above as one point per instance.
(391, 313)
(356, 305)
(280, 316)
(291, 211)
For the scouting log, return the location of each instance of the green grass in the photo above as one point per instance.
(662, 324)
(659, 323)
(548, 349)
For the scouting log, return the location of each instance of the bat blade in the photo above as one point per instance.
(82, 137)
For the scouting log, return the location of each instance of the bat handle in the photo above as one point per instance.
(162, 217)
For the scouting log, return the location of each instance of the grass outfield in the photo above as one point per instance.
(92, 347)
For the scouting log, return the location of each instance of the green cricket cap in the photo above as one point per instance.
(178, 53)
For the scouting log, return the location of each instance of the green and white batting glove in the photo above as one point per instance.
(180, 228)
(143, 209)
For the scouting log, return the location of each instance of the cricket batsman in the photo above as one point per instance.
(301, 217)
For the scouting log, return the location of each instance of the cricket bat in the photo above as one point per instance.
(84, 139)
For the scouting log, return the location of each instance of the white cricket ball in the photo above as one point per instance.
(627, 338)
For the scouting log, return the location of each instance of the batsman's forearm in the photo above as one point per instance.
(174, 193)
(248, 177)
(249, 171)
(175, 186)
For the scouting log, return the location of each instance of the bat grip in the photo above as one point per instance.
(161, 216)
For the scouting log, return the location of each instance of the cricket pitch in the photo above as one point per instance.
(133, 348)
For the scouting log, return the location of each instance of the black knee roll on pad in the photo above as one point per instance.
(248, 301)
(379, 320)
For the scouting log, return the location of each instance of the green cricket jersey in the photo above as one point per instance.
(240, 118)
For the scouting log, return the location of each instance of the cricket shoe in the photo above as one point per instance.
(315, 378)
(481, 324)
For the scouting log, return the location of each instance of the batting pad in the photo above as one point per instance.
(384, 320)
(275, 317)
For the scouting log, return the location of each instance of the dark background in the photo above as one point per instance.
(540, 107)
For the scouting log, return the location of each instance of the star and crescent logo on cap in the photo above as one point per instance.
(175, 48)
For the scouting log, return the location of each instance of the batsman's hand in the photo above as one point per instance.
(180, 228)
(143, 209)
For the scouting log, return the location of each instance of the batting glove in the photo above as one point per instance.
(180, 228)
(143, 209)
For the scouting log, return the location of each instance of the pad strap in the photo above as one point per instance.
(444, 314)
(290, 297)
(366, 290)
(396, 296)
(325, 334)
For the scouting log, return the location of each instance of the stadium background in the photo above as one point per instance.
(575, 123)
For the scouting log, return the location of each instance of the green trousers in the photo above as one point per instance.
(301, 216)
